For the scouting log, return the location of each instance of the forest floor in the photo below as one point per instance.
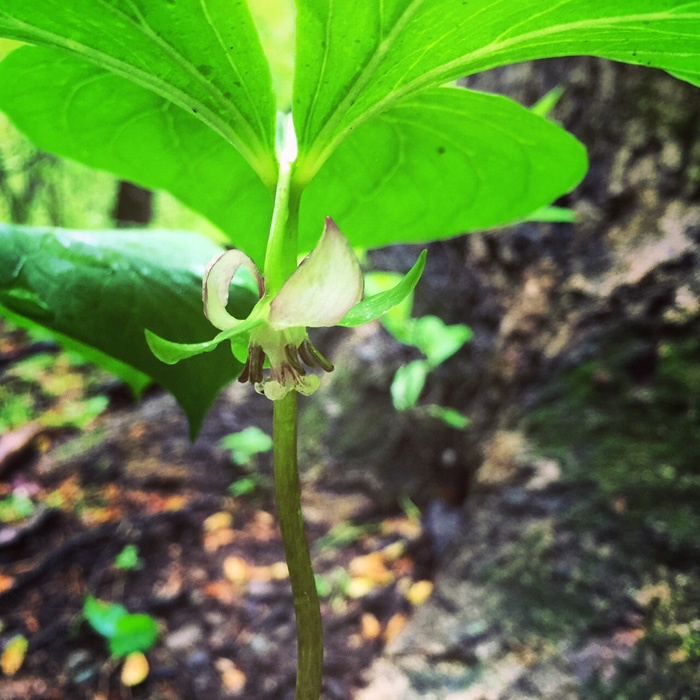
(578, 572)
(106, 497)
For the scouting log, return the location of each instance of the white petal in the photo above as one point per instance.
(216, 283)
(323, 288)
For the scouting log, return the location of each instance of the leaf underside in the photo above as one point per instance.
(103, 288)
(77, 110)
(357, 59)
(440, 164)
(202, 55)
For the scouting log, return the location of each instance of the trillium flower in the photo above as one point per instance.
(325, 290)
(326, 285)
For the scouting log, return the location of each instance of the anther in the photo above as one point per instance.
(319, 359)
(256, 358)
(245, 372)
(290, 350)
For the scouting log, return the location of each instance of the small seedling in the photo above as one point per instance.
(128, 559)
(124, 632)
(244, 445)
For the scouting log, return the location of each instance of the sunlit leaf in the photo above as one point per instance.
(408, 384)
(202, 55)
(357, 59)
(439, 164)
(77, 110)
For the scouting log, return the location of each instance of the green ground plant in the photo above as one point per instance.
(194, 97)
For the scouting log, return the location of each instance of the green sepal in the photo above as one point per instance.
(171, 353)
(375, 306)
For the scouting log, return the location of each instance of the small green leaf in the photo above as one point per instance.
(133, 633)
(246, 444)
(440, 164)
(102, 616)
(408, 384)
(438, 341)
(374, 306)
(449, 416)
(124, 632)
(544, 106)
(202, 55)
(244, 486)
(553, 215)
(128, 559)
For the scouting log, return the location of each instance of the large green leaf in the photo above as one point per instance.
(438, 164)
(202, 55)
(103, 288)
(357, 58)
(70, 107)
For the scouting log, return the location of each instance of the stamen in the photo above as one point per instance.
(245, 372)
(256, 357)
(306, 356)
(290, 350)
(320, 360)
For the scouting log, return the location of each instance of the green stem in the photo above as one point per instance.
(306, 605)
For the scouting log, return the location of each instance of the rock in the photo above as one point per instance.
(184, 638)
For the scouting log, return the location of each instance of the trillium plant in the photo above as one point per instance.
(268, 117)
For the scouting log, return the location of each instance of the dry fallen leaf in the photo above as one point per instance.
(236, 570)
(419, 592)
(359, 587)
(232, 678)
(216, 539)
(223, 591)
(394, 626)
(135, 669)
(6, 582)
(13, 655)
(371, 627)
(279, 571)
(218, 521)
(404, 527)
(371, 566)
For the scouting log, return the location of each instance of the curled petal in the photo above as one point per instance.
(323, 288)
(216, 283)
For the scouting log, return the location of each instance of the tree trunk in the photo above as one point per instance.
(133, 206)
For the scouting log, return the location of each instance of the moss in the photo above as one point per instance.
(625, 427)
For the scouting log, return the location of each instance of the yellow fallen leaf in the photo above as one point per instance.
(394, 550)
(216, 539)
(218, 521)
(371, 627)
(236, 570)
(373, 567)
(394, 626)
(419, 592)
(360, 587)
(13, 655)
(279, 571)
(135, 669)
(232, 678)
